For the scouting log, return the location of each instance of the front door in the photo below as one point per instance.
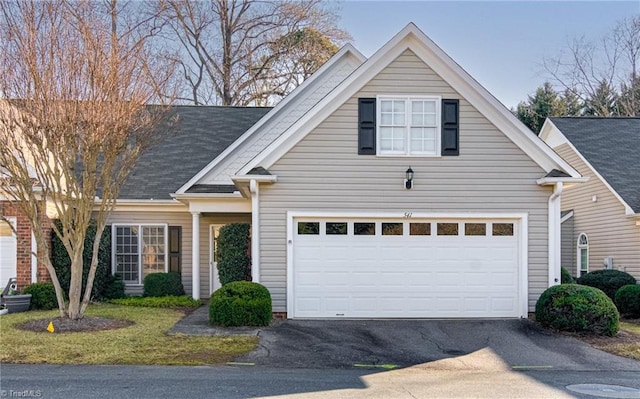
(214, 279)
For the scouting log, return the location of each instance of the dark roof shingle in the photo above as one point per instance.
(612, 147)
(199, 136)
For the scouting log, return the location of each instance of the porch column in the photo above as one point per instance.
(195, 255)
(255, 231)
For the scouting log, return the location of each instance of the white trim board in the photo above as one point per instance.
(523, 240)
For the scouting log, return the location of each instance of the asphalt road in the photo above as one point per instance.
(152, 382)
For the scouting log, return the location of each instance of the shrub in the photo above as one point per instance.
(573, 307)
(43, 296)
(566, 277)
(163, 284)
(115, 288)
(170, 301)
(628, 300)
(607, 280)
(62, 263)
(234, 262)
(240, 303)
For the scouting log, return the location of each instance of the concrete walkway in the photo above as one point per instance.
(197, 323)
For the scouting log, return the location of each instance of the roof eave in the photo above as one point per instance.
(550, 181)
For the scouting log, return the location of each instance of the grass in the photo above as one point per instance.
(626, 343)
(145, 342)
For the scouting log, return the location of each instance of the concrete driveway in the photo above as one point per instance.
(440, 344)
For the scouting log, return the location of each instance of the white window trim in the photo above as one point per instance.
(140, 226)
(579, 248)
(408, 98)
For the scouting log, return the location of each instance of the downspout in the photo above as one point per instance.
(554, 234)
(254, 188)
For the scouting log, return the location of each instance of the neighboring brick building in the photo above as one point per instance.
(16, 258)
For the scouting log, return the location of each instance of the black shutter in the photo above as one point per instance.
(450, 127)
(366, 126)
(175, 240)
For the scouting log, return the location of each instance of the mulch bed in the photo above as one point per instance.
(65, 325)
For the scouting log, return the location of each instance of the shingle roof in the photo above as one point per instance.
(611, 145)
(201, 134)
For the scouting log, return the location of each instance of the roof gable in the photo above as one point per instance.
(411, 38)
(609, 146)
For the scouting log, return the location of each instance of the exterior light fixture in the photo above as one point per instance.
(408, 181)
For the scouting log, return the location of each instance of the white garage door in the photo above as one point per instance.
(398, 268)
(8, 252)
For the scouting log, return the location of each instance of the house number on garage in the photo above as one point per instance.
(407, 215)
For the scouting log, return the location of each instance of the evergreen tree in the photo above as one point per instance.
(544, 103)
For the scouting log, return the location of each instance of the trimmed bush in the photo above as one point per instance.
(240, 303)
(163, 284)
(577, 308)
(566, 277)
(43, 296)
(115, 288)
(234, 262)
(170, 301)
(607, 280)
(628, 300)
(62, 263)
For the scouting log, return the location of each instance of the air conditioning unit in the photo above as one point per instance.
(608, 263)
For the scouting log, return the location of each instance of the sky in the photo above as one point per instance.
(500, 43)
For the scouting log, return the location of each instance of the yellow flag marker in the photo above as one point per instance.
(50, 327)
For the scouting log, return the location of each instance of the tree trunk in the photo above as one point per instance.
(75, 286)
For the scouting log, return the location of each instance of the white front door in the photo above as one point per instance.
(214, 279)
(8, 251)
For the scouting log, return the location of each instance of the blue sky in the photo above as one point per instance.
(501, 43)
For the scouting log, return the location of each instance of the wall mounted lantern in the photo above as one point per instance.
(408, 180)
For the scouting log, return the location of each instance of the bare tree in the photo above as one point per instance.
(597, 71)
(76, 78)
(234, 48)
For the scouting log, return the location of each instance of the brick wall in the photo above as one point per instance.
(23, 261)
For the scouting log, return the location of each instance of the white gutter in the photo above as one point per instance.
(254, 188)
(554, 234)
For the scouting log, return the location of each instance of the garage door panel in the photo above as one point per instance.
(405, 276)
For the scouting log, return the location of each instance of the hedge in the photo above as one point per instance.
(163, 284)
(170, 301)
(234, 262)
(43, 296)
(608, 280)
(627, 300)
(240, 303)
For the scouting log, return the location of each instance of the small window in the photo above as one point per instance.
(364, 229)
(139, 250)
(475, 229)
(583, 254)
(420, 229)
(502, 229)
(408, 126)
(447, 229)
(336, 228)
(392, 229)
(308, 228)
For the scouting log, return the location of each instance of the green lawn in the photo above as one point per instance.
(144, 342)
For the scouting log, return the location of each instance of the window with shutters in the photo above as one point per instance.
(139, 250)
(408, 126)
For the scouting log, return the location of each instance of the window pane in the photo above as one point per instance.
(584, 260)
(429, 106)
(583, 240)
(364, 229)
(419, 229)
(391, 229)
(311, 228)
(447, 229)
(503, 229)
(386, 106)
(339, 228)
(398, 106)
(475, 229)
(430, 119)
(386, 118)
(153, 251)
(127, 256)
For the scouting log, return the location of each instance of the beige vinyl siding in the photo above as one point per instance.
(568, 247)
(324, 173)
(184, 220)
(611, 233)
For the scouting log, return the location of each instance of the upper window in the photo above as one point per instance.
(408, 126)
(139, 250)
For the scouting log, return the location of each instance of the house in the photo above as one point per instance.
(600, 218)
(388, 186)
